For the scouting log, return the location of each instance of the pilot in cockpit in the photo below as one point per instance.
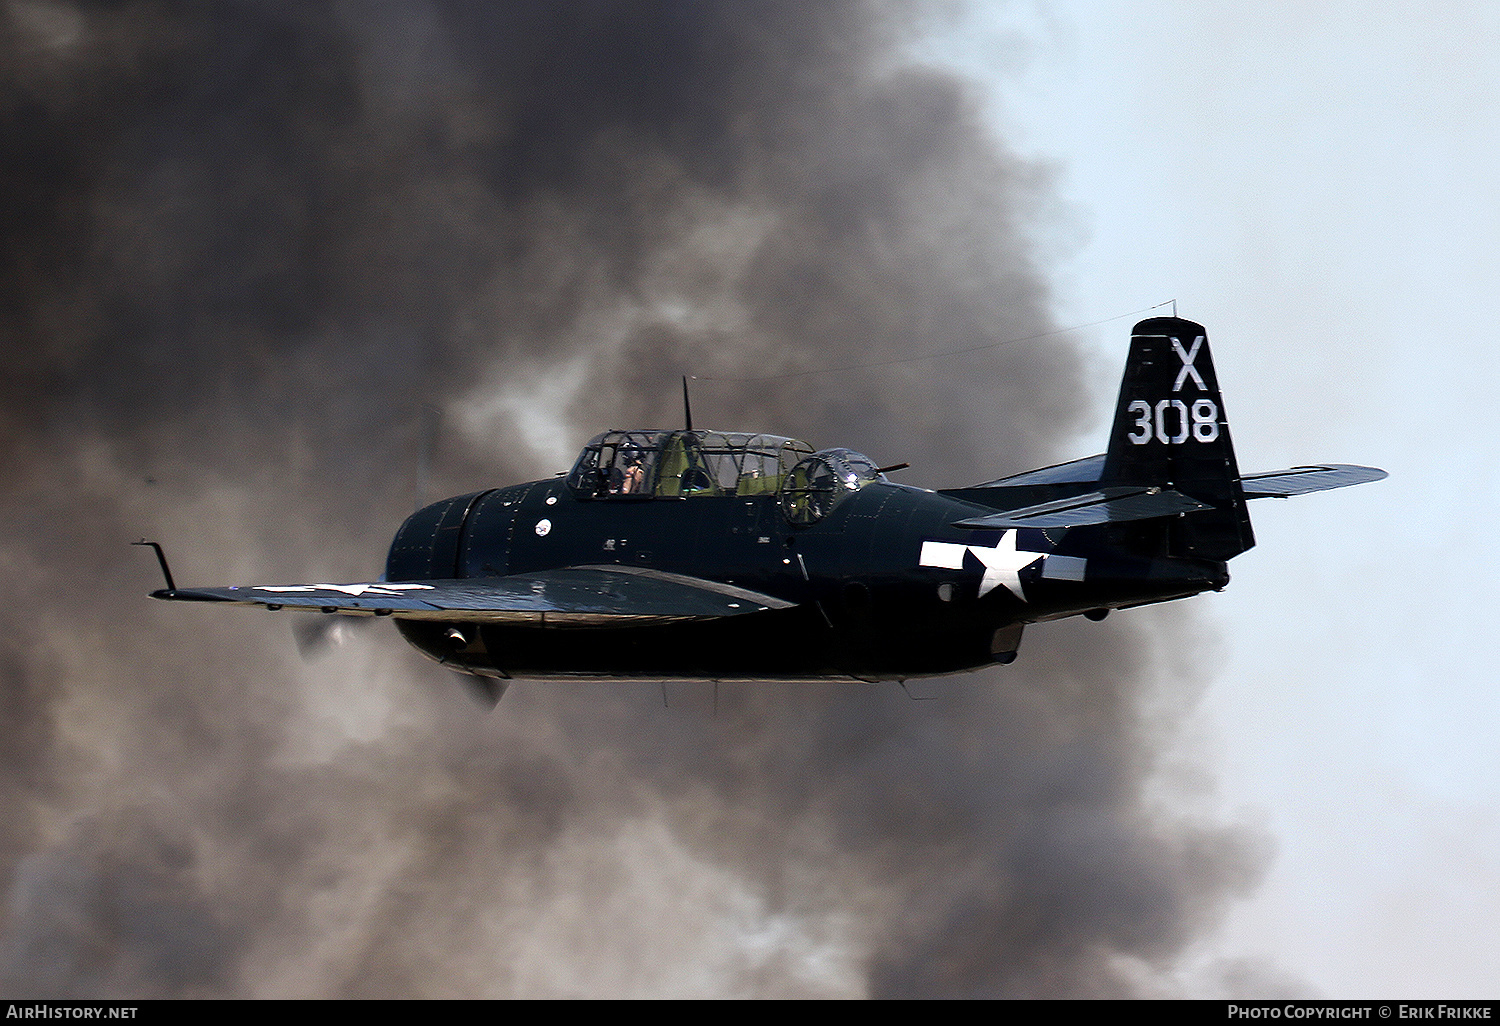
(628, 475)
(635, 476)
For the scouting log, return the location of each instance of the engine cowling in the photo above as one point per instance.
(429, 544)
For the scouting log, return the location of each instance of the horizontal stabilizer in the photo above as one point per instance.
(1280, 484)
(1082, 471)
(571, 596)
(1107, 506)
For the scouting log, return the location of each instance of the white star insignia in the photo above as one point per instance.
(1003, 565)
(354, 590)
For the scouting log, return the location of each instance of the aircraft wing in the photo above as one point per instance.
(581, 596)
(1280, 484)
(1106, 506)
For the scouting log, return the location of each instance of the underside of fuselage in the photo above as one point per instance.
(788, 645)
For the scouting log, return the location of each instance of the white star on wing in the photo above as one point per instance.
(355, 590)
(1003, 565)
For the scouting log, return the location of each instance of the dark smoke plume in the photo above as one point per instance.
(268, 270)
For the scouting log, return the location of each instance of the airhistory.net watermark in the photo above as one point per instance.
(69, 1010)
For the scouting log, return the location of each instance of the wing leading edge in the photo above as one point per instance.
(583, 596)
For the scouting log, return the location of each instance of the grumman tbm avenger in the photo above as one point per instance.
(716, 555)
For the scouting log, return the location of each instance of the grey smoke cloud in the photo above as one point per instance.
(246, 245)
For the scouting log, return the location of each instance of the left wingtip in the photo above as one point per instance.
(161, 557)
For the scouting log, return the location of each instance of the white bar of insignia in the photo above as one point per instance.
(945, 555)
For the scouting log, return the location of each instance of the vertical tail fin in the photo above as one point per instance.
(1170, 431)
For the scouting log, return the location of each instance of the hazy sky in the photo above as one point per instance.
(1320, 186)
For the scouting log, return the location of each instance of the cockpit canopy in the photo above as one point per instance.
(695, 464)
(683, 464)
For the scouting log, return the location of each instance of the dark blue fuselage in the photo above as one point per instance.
(865, 605)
